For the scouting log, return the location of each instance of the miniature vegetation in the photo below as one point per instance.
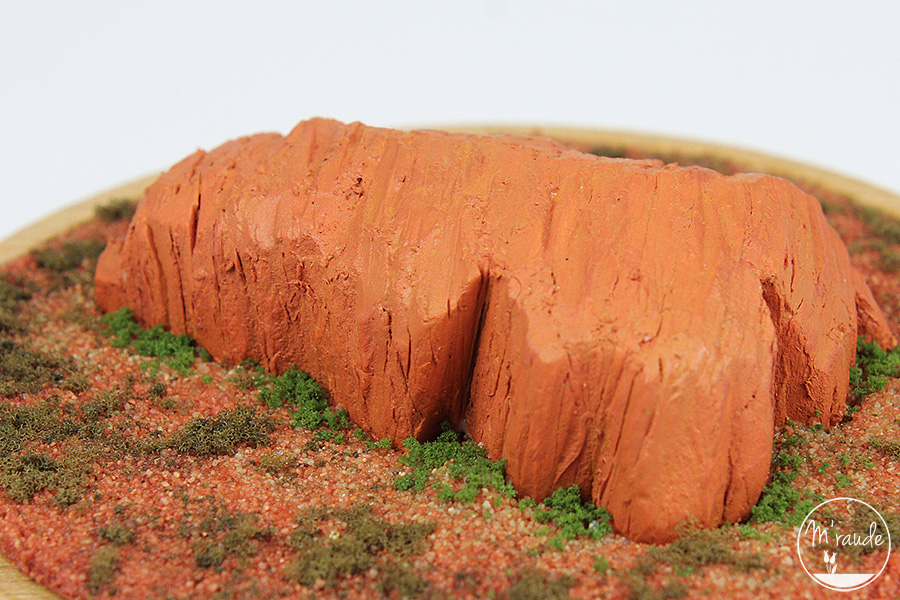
(466, 461)
(120, 209)
(533, 583)
(573, 516)
(873, 367)
(24, 370)
(68, 256)
(102, 568)
(177, 351)
(781, 502)
(11, 298)
(222, 433)
(693, 549)
(25, 471)
(358, 541)
(304, 398)
(219, 533)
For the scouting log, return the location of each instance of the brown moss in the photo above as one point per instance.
(25, 370)
(221, 434)
(25, 475)
(276, 463)
(533, 583)
(116, 534)
(220, 533)
(120, 209)
(103, 568)
(365, 540)
(68, 256)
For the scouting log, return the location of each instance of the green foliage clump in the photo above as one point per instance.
(120, 209)
(873, 367)
(466, 461)
(382, 444)
(69, 256)
(534, 583)
(103, 568)
(221, 434)
(780, 502)
(25, 371)
(177, 351)
(304, 397)
(575, 517)
(365, 539)
(122, 327)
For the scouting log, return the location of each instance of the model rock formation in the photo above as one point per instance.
(631, 327)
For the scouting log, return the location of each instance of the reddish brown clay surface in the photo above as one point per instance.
(634, 328)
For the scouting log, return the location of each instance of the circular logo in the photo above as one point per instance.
(835, 539)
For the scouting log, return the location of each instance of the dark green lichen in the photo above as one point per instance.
(25, 475)
(116, 534)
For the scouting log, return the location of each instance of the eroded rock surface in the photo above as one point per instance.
(632, 327)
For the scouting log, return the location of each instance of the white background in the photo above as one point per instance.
(93, 94)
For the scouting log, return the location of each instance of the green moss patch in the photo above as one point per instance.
(177, 351)
(304, 398)
(873, 367)
(465, 461)
(574, 517)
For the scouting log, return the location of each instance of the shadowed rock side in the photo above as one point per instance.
(632, 327)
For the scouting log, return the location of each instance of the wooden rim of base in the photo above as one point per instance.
(16, 586)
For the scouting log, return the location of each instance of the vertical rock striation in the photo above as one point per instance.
(631, 327)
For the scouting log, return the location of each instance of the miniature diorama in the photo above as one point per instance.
(357, 362)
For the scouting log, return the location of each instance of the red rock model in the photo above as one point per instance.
(632, 327)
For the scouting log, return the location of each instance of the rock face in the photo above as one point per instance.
(631, 327)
